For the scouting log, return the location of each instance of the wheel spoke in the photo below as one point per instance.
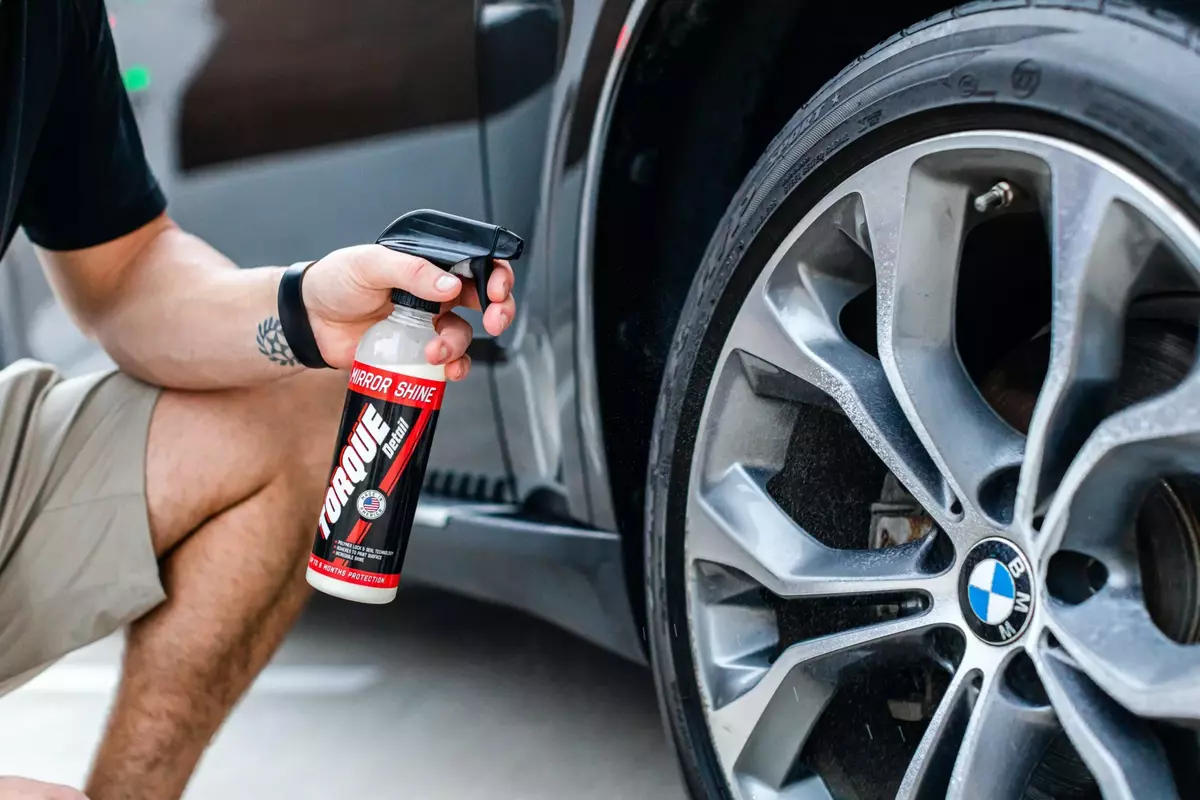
(785, 324)
(917, 222)
(1100, 494)
(1112, 635)
(761, 732)
(810, 788)
(928, 772)
(1117, 645)
(735, 523)
(736, 641)
(1100, 245)
(1119, 749)
(998, 716)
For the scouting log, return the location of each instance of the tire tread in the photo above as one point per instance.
(1160, 21)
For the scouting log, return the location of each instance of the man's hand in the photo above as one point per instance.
(349, 290)
(22, 789)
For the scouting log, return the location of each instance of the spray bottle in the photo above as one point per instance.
(390, 414)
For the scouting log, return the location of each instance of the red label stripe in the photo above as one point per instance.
(397, 468)
(390, 478)
(393, 387)
(357, 577)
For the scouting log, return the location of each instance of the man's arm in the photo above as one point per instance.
(167, 307)
(172, 311)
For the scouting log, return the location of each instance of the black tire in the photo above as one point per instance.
(1120, 78)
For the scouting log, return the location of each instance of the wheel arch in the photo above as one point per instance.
(696, 95)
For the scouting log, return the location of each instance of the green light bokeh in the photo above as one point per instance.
(136, 78)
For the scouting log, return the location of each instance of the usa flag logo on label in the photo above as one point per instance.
(371, 504)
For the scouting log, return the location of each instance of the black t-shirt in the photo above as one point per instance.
(72, 170)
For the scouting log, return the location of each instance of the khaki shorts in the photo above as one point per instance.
(76, 559)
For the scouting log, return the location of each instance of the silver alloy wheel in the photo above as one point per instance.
(1105, 666)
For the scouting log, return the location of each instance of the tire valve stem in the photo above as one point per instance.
(999, 196)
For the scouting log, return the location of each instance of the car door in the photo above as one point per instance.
(283, 129)
(522, 43)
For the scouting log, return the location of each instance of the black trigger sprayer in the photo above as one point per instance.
(390, 414)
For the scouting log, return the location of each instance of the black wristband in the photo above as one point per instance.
(293, 318)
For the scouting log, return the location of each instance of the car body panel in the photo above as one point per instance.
(548, 379)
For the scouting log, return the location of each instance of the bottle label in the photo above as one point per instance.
(378, 468)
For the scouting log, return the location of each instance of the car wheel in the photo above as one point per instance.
(923, 498)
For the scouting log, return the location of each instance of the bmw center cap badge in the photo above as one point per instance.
(996, 591)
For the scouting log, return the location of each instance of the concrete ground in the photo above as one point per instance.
(434, 696)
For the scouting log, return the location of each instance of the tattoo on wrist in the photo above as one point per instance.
(272, 344)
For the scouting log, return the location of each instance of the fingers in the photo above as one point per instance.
(499, 288)
(457, 370)
(380, 268)
(501, 283)
(450, 346)
(499, 316)
(503, 308)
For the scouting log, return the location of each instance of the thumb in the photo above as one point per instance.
(376, 267)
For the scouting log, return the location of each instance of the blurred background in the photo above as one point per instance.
(281, 129)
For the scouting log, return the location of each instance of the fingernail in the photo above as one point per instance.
(505, 288)
(443, 353)
(503, 319)
(445, 283)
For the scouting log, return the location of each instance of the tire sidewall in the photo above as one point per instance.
(1117, 80)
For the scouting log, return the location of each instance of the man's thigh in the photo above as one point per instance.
(101, 476)
(76, 558)
(209, 451)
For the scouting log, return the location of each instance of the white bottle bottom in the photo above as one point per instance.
(376, 595)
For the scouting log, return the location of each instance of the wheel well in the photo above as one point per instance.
(708, 86)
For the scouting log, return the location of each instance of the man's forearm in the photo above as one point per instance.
(173, 311)
(185, 317)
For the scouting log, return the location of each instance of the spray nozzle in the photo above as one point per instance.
(452, 243)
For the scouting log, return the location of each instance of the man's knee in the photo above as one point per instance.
(292, 425)
(303, 414)
(212, 451)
